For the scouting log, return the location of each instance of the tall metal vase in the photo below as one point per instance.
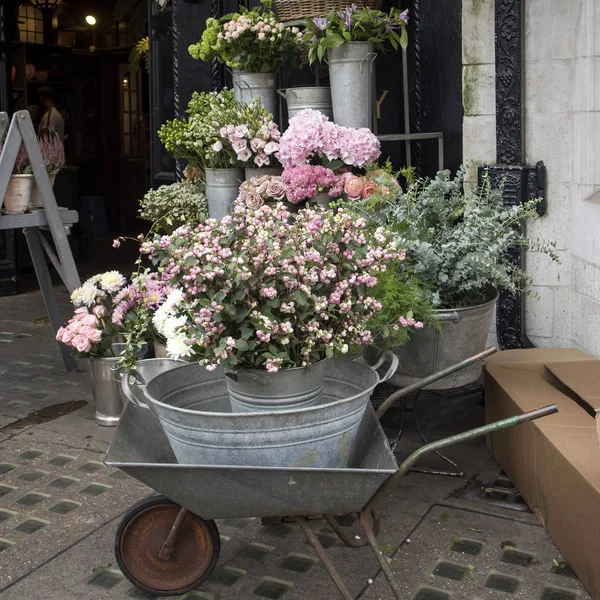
(106, 389)
(222, 188)
(249, 86)
(314, 97)
(351, 68)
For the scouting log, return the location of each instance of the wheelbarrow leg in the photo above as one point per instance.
(364, 519)
(323, 556)
(166, 550)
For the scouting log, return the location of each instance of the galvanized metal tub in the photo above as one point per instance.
(213, 491)
(222, 188)
(314, 97)
(193, 407)
(249, 86)
(351, 77)
(252, 390)
(464, 333)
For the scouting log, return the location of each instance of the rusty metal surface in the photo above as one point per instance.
(194, 553)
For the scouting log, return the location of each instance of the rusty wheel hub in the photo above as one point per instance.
(194, 554)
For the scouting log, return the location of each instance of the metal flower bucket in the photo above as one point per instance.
(222, 188)
(351, 78)
(193, 407)
(249, 86)
(315, 97)
(251, 390)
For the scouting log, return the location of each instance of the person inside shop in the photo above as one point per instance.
(51, 118)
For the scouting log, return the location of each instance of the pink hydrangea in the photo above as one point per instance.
(305, 181)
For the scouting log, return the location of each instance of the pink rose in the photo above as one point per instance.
(99, 311)
(81, 343)
(368, 189)
(60, 333)
(95, 336)
(353, 187)
(346, 175)
(90, 320)
(67, 336)
(254, 201)
(276, 189)
(81, 311)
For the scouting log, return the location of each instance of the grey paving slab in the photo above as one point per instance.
(456, 554)
(56, 490)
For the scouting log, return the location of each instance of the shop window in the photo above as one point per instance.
(31, 24)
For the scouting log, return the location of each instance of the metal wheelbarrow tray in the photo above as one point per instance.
(168, 545)
(141, 449)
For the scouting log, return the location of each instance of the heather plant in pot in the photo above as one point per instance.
(53, 155)
(267, 294)
(457, 240)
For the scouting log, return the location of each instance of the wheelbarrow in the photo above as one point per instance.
(169, 544)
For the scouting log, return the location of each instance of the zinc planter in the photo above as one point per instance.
(252, 390)
(18, 193)
(222, 188)
(323, 199)
(35, 201)
(106, 389)
(260, 171)
(249, 86)
(315, 97)
(351, 68)
(464, 333)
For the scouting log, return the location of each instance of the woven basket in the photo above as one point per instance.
(292, 10)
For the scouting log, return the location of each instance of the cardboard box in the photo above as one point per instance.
(555, 461)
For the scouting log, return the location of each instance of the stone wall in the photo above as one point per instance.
(562, 128)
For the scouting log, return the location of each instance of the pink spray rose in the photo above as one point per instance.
(81, 343)
(276, 189)
(369, 188)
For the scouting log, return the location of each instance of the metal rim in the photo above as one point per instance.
(142, 532)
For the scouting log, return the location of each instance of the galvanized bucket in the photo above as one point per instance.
(464, 334)
(249, 86)
(222, 188)
(106, 390)
(193, 407)
(351, 68)
(251, 390)
(315, 97)
(251, 172)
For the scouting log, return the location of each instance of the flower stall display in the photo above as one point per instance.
(254, 44)
(350, 39)
(110, 328)
(222, 135)
(171, 206)
(53, 155)
(269, 292)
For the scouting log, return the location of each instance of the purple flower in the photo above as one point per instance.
(320, 23)
(404, 16)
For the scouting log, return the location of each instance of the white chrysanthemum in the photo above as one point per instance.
(177, 348)
(172, 324)
(112, 281)
(85, 295)
(175, 298)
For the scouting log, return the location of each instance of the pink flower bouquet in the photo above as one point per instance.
(256, 141)
(306, 181)
(312, 138)
(256, 191)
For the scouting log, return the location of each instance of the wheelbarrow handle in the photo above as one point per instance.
(428, 380)
(455, 439)
(129, 392)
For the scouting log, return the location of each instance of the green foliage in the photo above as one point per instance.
(171, 206)
(355, 25)
(138, 53)
(457, 238)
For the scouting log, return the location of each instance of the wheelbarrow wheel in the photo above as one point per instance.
(140, 536)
